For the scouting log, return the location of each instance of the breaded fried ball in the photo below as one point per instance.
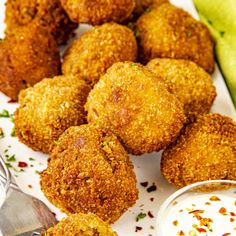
(27, 56)
(89, 171)
(130, 101)
(170, 32)
(189, 82)
(45, 13)
(48, 109)
(205, 151)
(92, 54)
(81, 225)
(96, 12)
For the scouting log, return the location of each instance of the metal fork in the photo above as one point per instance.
(21, 214)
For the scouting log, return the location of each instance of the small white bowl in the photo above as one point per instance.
(213, 186)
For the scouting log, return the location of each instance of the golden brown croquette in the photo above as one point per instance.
(92, 54)
(189, 82)
(205, 151)
(89, 171)
(81, 225)
(130, 101)
(170, 32)
(48, 109)
(26, 59)
(96, 12)
(45, 13)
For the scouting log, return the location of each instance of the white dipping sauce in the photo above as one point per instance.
(202, 214)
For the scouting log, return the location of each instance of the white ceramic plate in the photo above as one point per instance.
(146, 166)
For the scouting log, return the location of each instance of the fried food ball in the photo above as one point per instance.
(189, 82)
(89, 171)
(170, 32)
(27, 56)
(92, 54)
(97, 12)
(48, 109)
(81, 225)
(130, 101)
(46, 13)
(205, 151)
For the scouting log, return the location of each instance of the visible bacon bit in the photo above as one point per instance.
(226, 234)
(152, 188)
(232, 219)
(29, 185)
(138, 228)
(232, 213)
(144, 184)
(181, 233)
(22, 164)
(175, 222)
(215, 198)
(223, 211)
(152, 199)
(201, 230)
(150, 214)
(196, 212)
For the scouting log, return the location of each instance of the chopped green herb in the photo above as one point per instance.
(141, 216)
(147, 10)
(9, 146)
(37, 172)
(31, 159)
(189, 33)
(13, 132)
(8, 165)
(152, 227)
(31, 165)
(5, 113)
(57, 142)
(130, 25)
(104, 143)
(133, 65)
(222, 33)
(11, 158)
(136, 33)
(12, 118)
(6, 150)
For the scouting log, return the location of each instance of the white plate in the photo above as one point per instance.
(146, 167)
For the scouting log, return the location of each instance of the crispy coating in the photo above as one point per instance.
(130, 101)
(81, 225)
(46, 13)
(170, 32)
(96, 12)
(92, 54)
(145, 5)
(89, 171)
(205, 151)
(48, 109)
(191, 84)
(26, 59)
